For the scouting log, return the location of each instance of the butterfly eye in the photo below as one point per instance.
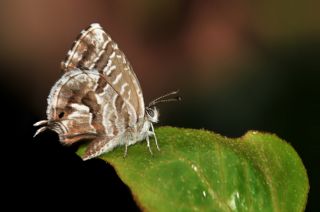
(150, 113)
(61, 115)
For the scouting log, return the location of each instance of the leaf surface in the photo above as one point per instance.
(198, 170)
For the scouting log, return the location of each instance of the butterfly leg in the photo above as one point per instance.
(125, 150)
(148, 144)
(155, 137)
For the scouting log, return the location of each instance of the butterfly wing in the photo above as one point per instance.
(94, 49)
(85, 49)
(118, 90)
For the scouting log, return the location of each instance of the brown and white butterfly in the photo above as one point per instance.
(99, 98)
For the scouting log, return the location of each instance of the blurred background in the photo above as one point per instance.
(240, 65)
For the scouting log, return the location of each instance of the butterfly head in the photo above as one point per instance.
(152, 114)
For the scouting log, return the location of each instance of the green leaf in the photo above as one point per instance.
(200, 170)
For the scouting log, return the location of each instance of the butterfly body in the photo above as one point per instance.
(98, 98)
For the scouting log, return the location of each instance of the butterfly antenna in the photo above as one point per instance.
(162, 98)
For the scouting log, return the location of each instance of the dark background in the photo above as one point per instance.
(240, 65)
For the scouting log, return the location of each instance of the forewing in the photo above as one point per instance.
(86, 49)
(96, 50)
(119, 74)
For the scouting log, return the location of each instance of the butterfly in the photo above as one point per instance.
(99, 98)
